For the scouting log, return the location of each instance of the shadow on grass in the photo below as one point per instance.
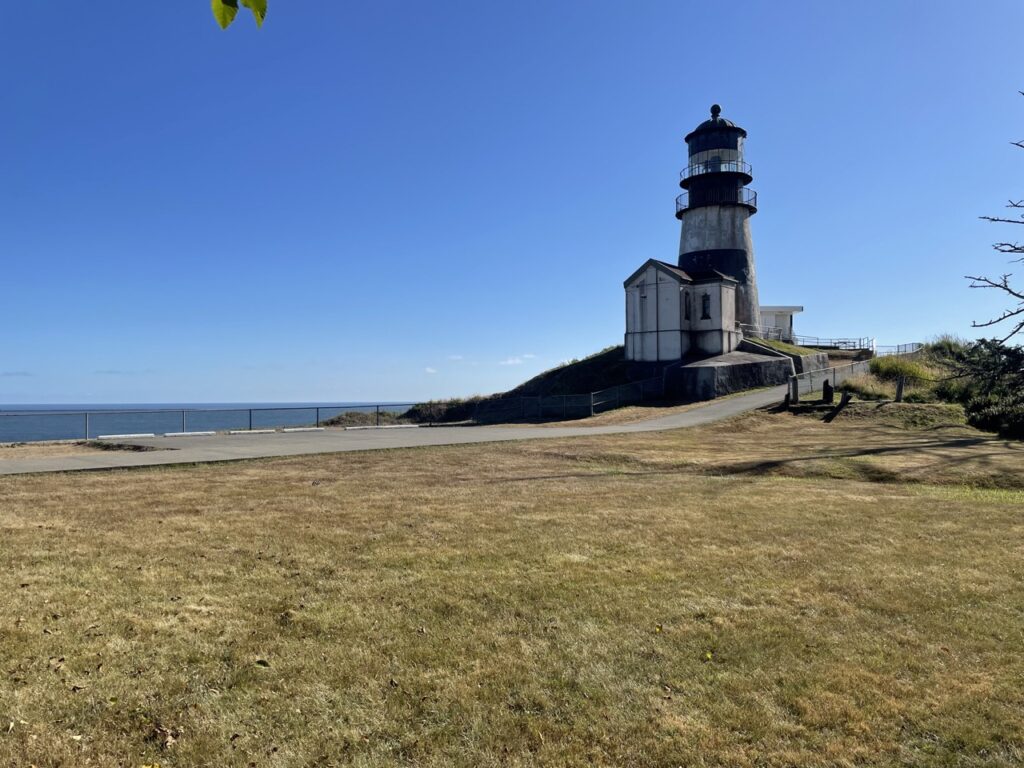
(935, 470)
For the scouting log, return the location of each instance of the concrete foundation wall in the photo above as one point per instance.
(806, 363)
(708, 382)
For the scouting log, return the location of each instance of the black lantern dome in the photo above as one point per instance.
(716, 123)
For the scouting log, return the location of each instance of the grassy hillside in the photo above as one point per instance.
(603, 369)
(606, 368)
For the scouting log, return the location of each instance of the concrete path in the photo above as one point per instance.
(191, 450)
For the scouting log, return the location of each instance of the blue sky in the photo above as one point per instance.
(392, 200)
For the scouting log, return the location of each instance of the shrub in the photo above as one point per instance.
(356, 418)
(921, 395)
(440, 411)
(946, 348)
(867, 387)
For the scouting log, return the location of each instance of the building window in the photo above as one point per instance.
(705, 306)
(686, 305)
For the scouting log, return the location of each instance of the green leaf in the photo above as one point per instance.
(224, 11)
(258, 8)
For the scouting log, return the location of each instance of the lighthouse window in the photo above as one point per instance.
(686, 305)
(705, 306)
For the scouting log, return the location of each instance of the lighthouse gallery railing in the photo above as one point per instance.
(725, 166)
(742, 196)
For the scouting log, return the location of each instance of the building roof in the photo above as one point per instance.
(664, 266)
(716, 123)
(706, 276)
(673, 269)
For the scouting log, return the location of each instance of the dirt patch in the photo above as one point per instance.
(44, 450)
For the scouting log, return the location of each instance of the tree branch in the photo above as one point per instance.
(1010, 249)
(1002, 284)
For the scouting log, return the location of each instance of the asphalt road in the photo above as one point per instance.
(222, 447)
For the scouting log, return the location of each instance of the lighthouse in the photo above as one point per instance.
(700, 305)
(715, 210)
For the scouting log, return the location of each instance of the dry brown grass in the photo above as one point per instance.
(40, 450)
(632, 414)
(766, 591)
(628, 414)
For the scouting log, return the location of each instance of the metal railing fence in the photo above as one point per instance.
(899, 349)
(821, 342)
(813, 381)
(862, 342)
(764, 332)
(568, 406)
(25, 425)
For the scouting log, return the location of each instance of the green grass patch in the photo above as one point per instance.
(891, 368)
(787, 348)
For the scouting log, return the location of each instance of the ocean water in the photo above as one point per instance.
(30, 423)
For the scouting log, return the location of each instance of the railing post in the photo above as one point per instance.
(250, 419)
(318, 416)
(378, 415)
(182, 419)
(591, 403)
(86, 425)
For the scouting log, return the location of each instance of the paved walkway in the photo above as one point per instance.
(191, 450)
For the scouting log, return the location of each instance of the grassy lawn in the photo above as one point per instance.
(771, 590)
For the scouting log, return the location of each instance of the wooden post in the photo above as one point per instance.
(900, 382)
(591, 403)
(828, 394)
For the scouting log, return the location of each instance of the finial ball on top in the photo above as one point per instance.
(715, 111)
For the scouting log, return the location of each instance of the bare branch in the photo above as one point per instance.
(1002, 284)
(1009, 249)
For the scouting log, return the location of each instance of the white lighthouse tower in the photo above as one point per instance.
(698, 305)
(715, 210)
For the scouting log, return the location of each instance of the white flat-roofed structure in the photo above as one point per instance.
(779, 320)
